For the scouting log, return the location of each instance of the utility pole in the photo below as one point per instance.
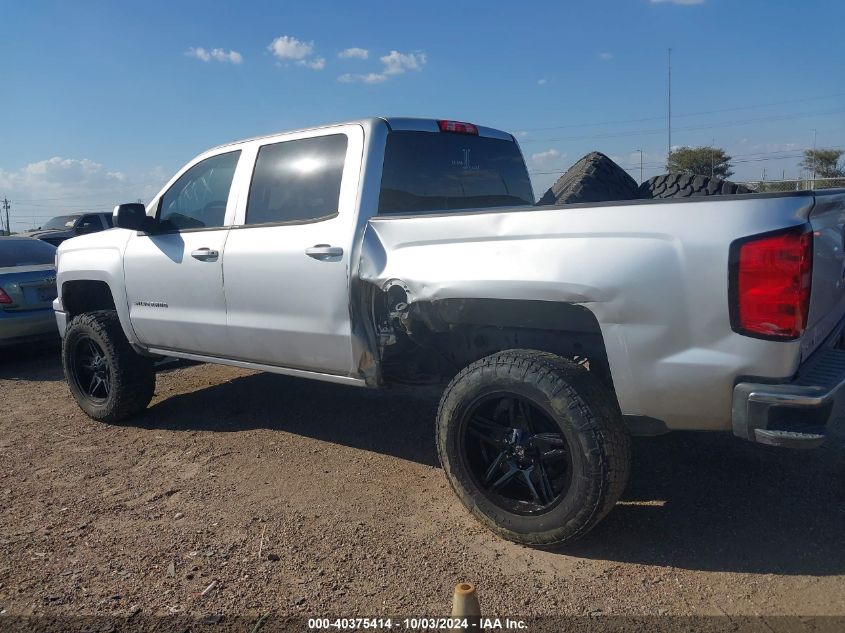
(641, 165)
(712, 158)
(6, 206)
(670, 104)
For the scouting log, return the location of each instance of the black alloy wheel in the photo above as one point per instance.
(516, 453)
(90, 370)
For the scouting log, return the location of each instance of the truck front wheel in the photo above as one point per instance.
(107, 378)
(533, 445)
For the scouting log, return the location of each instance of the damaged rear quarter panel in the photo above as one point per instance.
(654, 275)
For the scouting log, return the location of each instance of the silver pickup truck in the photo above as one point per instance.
(409, 251)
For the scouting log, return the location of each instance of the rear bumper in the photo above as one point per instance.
(22, 327)
(796, 414)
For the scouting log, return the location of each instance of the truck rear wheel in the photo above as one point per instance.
(107, 378)
(534, 446)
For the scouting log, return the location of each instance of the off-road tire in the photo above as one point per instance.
(589, 418)
(132, 375)
(594, 178)
(688, 186)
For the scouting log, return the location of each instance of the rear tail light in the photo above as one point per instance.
(4, 298)
(457, 127)
(770, 284)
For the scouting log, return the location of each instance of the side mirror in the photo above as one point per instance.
(132, 216)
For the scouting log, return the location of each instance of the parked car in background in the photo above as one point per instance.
(27, 290)
(64, 227)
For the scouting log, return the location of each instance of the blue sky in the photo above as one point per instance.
(103, 101)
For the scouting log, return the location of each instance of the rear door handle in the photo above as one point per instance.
(204, 254)
(324, 252)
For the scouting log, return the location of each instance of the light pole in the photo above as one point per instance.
(813, 183)
(641, 165)
(669, 91)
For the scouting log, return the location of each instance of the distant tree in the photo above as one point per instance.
(700, 161)
(827, 163)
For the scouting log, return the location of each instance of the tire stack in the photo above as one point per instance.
(688, 186)
(596, 178)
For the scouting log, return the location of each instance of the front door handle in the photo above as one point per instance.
(204, 254)
(324, 252)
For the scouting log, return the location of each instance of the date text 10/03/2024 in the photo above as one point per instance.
(417, 624)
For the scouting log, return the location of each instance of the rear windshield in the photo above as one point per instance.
(25, 252)
(438, 171)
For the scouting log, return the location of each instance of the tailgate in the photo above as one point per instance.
(827, 298)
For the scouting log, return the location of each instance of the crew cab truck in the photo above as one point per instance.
(394, 250)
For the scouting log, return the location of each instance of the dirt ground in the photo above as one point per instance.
(304, 498)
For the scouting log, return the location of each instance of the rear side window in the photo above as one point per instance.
(109, 218)
(198, 199)
(25, 252)
(297, 181)
(436, 171)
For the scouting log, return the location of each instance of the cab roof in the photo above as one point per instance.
(414, 124)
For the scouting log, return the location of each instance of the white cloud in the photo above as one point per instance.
(57, 185)
(59, 172)
(681, 2)
(216, 54)
(394, 63)
(605, 57)
(287, 47)
(354, 52)
(200, 53)
(233, 57)
(542, 82)
(318, 63)
(369, 78)
(547, 158)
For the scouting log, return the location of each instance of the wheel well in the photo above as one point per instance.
(442, 337)
(86, 296)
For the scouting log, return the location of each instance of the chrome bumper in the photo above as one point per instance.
(796, 414)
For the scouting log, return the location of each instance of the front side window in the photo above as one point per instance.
(198, 199)
(297, 181)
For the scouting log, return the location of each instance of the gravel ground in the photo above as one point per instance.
(241, 493)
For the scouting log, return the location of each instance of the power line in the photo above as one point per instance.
(705, 126)
(80, 196)
(686, 115)
(735, 158)
(661, 165)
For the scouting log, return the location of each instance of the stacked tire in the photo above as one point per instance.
(688, 186)
(597, 178)
(594, 178)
